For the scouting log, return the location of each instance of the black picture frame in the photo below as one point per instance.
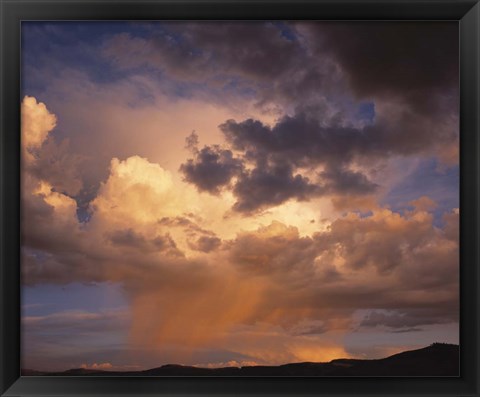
(466, 12)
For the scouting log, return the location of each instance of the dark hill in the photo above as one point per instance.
(438, 359)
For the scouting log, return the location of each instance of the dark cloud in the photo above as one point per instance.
(276, 154)
(414, 60)
(303, 140)
(211, 169)
(269, 185)
(300, 139)
(256, 47)
(191, 142)
(198, 51)
(343, 181)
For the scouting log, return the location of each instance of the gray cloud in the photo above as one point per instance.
(276, 154)
(415, 60)
(269, 185)
(345, 181)
(306, 62)
(302, 139)
(199, 50)
(211, 169)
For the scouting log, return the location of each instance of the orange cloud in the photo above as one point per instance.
(37, 122)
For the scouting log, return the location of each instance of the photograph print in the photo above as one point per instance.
(240, 198)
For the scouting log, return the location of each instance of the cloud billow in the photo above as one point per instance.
(275, 156)
(269, 185)
(212, 169)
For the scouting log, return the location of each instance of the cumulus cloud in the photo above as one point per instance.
(212, 168)
(42, 156)
(269, 185)
(37, 122)
(138, 191)
(303, 139)
(300, 142)
(277, 154)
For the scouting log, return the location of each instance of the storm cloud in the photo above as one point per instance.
(416, 61)
(212, 169)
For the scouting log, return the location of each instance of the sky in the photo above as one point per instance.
(237, 193)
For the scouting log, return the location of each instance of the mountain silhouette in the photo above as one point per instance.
(438, 359)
